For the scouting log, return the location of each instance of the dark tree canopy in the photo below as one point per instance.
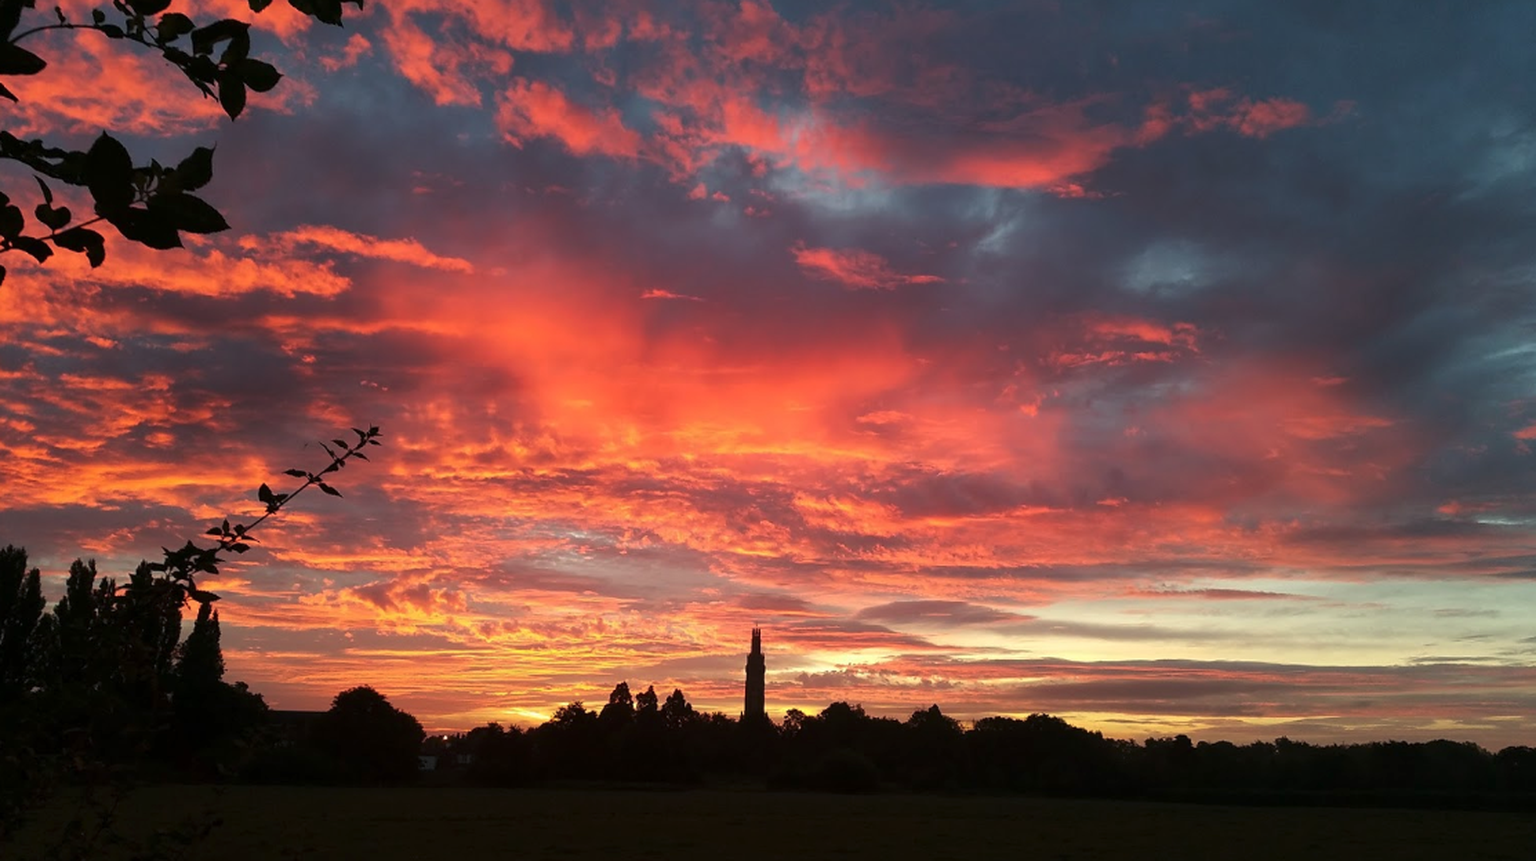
(620, 709)
(498, 756)
(646, 703)
(677, 712)
(199, 660)
(369, 738)
(21, 606)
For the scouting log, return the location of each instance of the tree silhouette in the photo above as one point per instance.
(199, 660)
(935, 749)
(646, 705)
(1517, 769)
(573, 715)
(209, 718)
(21, 606)
(620, 709)
(570, 744)
(81, 622)
(149, 627)
(369, 738)
(645, 755)
(677, 713)
(794, 723)
(499, 756)
(1043, 754)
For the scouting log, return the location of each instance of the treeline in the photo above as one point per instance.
(635, 739)
(103, 683)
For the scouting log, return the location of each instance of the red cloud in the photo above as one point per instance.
(668, 294)
(536, 109)
(127, 91)
(445, 68)
(334, 239)
(357, 46)
(199, 271)
(782, 89)
(520, 25)
(1220, 108)
(1125, 340)
(854, 268)
(1147, 331)
(1262, 118)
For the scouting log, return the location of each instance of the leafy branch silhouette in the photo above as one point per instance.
(181, 566)
(149, 204)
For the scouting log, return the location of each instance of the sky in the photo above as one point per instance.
(1166, 367)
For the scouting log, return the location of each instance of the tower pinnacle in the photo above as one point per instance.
(756, 685)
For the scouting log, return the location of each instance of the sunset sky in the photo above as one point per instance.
(1167, 367)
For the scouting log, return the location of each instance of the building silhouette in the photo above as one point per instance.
(756, 689)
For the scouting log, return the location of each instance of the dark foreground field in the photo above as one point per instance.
(462, 824)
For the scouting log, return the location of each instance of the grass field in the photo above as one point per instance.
(462, 824)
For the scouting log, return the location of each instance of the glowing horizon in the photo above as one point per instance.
(1002, 358)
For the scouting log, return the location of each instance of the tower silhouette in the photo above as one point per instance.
(756, 689)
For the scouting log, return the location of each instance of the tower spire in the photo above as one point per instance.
(756, 686)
